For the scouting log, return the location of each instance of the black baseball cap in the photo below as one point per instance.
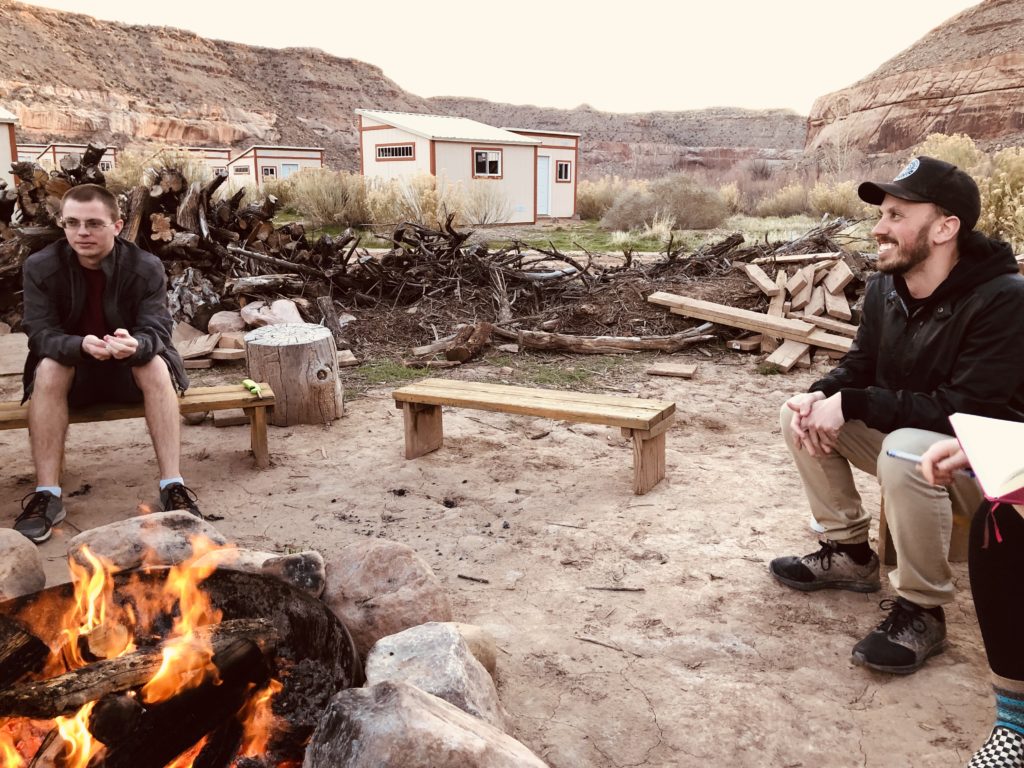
(927, 180)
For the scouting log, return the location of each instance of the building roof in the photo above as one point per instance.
(274, 146)
(447, 127)
(545, 133)
(7, 117)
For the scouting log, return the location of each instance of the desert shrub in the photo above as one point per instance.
(129, 171)
(691, 204)
(958, 149)
(758, 169)
(594, 198)
(623, 240)
(283, 190)
(837, 198)
(660, 227)
(329, 198)
(420, 199)
(1002, 197)
(481, 203)
(730, 194)
(791, 200)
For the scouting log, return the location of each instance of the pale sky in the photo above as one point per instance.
(630, 56)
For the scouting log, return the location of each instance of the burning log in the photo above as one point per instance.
(21, 652)
(69, 692)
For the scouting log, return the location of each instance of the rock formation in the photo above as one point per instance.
(965, 76)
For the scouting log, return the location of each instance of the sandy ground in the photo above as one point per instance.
(713, 664)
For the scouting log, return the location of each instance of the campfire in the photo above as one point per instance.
(183, 667)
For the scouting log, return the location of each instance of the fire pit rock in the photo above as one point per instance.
(226, 321)
(159, 538)
(381, 587)
(436, 659)
(396, 724)
(303, 570)
(21, 565)
(481, 644)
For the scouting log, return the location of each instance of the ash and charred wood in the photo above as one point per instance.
(114, 716)
(265, 284)
(67, 693)
(221, 746)
(50, 752)
(167, 729)
(21, 652)
(479, 335)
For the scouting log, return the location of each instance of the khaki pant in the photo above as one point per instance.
(920, 515)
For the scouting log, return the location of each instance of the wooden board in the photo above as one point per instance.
(200, 346)
(836, 326)
(611, 410)
(184, 332)
(825, 340)
(230, 418)
(726, 315)
(802, 297)
(680, 370)
(796, 283)
(838, 277)
(231, 340)
(198, 362)
(760, 279)
(747, 344)
(788, 353)
(346, 359)
(775, 309)
(817, 303)
(798, 258)
(837, 305)
(13, 351)
(227, 354)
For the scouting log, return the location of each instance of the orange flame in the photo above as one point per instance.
(93, 603)
(258, 721)
(9, 755)
(81, 745)
(187, 658)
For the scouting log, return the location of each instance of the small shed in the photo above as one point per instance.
(8, 145)
(51, 155)
(263, 163)
(459, 151)
(215, 158)
(27, 153)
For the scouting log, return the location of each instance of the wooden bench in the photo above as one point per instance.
(14, 415)
(645, 421)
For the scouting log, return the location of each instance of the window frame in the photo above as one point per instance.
(273, 172)
(568, 165)
(240, 170)
(499, 151)
(378, 147)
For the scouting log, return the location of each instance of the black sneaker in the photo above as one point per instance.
(904, 640)
(41, 510)
(1004, 749)
(177, 496)
(828, 568)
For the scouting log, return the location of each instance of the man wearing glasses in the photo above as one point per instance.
(99, 331)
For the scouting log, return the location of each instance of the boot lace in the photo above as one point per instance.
(180, 497)
(825, 554)
(901, 615)
(34, 508)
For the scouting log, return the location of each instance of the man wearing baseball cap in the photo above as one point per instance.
(942, 331)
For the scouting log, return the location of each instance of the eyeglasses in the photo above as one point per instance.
(91, 225)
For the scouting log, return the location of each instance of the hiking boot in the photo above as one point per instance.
(904, 640)
(1004, 749)
(177, 496)
(828, 568)
(41, 510)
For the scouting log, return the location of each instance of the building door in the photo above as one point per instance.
(543, 185)
(287, 169)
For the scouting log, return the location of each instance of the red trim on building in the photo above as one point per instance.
(563, 181)
(566, 147)
(372, 127)
(575, 180)
(14, 148)
(378, 159)
(535, 154)
(433, 159)
(501, 151)
(256, 167)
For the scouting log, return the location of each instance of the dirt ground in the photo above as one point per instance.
(712, 664)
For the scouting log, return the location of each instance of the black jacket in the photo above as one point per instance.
(135, 298)
(961, 349)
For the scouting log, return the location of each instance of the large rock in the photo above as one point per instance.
(159, 538)
(21, 565)
(395, 725)
(378, 588)
(225, 321)
(303, 570)
(435, 658)
(481, 644)
(259, 313)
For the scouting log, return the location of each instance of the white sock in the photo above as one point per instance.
(54, 489)
(169, 481)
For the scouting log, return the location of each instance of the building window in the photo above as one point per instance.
(106, 165)
(396, 151)
(487, 163)
(563, 171)
(220, 171)
(269, 172)
(241, 170)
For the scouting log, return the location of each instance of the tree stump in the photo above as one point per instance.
(300, 362)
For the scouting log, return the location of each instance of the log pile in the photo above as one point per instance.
(222, 252)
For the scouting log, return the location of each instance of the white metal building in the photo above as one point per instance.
(536, 170)
(27, 153)
(8, 146)
(263, 163)
(51, 155)
(216, 158)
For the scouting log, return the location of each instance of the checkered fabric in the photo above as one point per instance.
(1004, 749)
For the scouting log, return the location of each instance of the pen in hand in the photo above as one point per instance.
(917, 460)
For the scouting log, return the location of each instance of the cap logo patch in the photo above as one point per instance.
(912, 166)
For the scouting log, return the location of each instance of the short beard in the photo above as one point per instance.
(910, 257)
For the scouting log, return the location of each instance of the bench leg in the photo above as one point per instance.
(959, 538)
(423, 431)
(648, 462)
(258, 436)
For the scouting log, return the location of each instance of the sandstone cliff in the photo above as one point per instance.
(965, 76)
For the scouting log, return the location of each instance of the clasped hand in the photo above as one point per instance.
(119, 345)
(816, 421)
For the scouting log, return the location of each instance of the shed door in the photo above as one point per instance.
(543, 185)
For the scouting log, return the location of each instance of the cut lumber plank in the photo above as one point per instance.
(199, 346)
(802, 297)
(13, 351)
(797, 282)
(821, 269)
(183, 332)
(775, 309)
(737, 318)
(680, 370)
(231, 340)
(760, 279)
(817, 303)
(227, 354)
(837, 305)
(798, 258)
(346, 359)
(825, 340)
(202, 362)
(844, 329)
(747, 344)
(788, 353)
(838, 277)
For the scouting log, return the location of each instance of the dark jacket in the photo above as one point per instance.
(961, 349)
(135, 298)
